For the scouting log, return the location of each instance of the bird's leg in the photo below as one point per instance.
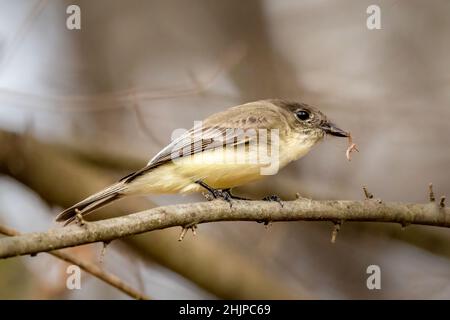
(233, 196)
(226, 195)
(217, 193)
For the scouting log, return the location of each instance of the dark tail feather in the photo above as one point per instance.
(91, 204)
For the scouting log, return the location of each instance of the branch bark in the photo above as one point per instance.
(195, 213)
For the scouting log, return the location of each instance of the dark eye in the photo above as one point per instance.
(302, 115)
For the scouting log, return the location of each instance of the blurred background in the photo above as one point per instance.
(81, 108)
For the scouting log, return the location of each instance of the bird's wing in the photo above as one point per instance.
(198, 140)
(216, 132)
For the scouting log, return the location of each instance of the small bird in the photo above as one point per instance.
(231, 148)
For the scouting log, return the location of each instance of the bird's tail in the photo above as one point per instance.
(92, 203)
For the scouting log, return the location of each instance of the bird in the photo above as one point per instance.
(222, 152)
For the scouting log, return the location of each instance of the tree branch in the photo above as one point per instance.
(88, 267)
(195, 213)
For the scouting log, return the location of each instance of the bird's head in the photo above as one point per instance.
(308, 120)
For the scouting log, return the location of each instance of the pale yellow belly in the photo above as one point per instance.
(179, 176)
(211, 167)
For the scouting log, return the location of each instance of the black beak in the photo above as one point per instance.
(330, 128)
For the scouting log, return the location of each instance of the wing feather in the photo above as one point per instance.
(215, 132)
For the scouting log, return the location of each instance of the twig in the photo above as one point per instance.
(90, 268)
(22, 31)
(367, 194)
(186, 229)
(182, 234)
(103, 252)
(79, 218)
(142, 124)
(119, 100)
(217, 210)
(431, 193)
(336, 229)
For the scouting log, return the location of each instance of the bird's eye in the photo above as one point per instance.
(302, 115)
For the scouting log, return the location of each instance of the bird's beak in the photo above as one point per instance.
(330, 128)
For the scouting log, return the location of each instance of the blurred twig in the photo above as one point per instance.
(90, 268)
(121, 99)
(143, 125)
(186, 215)
(94, 153)
(21, 32)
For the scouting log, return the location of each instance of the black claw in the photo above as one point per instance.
(227, 197)
(217, 193)
(224, 195)
(274, 198)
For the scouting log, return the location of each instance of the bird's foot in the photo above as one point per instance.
(274, 198)
(217, 193)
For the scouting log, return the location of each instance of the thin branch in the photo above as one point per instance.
(367, 194)
(121, 99)
(195, 213)
(336, 229)
(90, 268)
(431, 193)
(140, 118)
(22, 31)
